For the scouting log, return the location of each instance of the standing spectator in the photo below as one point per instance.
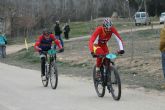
(162, 47)
(66, 31)
(99, 39)
(3, 42)
(58, 32)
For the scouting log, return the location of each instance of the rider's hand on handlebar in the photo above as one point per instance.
(37, 48)
(61, 50)
(121, 52)
(93, 54)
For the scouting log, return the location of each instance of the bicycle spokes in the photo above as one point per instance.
(53, 75)
(98, 84)
(115, 84)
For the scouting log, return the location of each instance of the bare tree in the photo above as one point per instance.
(44, 13)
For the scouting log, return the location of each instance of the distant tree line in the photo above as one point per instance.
(153, 7)
(27, 15)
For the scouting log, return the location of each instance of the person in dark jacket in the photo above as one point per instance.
(66, 31)
(58, 32)
(3, 42)
(162, 48)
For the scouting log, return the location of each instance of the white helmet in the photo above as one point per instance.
(107, 23)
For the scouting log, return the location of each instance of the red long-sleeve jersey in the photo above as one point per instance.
(45, 44)
(101, 38)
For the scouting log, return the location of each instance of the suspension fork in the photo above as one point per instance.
(106, 70)
(51, 59)
(47, 64)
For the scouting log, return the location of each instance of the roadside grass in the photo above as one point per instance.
(78, 29)
(85, 28)
(25, 56)
(21, 39)
(138, 35)
(31, 56)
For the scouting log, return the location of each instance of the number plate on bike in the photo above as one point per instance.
(51, 52)
(111, 56)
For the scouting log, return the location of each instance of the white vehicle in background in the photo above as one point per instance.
(142, 18)
(1, 24)
(162, 18)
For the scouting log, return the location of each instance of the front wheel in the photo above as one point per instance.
(53, 75)
(114, 83)
(44, 72)
(98, 84)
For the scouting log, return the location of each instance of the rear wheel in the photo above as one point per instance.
(43, 72)
(114, 83)
(98, 84)
(53, 75)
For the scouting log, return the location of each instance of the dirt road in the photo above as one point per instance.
(21, 89)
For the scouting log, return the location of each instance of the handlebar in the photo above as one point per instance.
(109, 55)
(52, 51)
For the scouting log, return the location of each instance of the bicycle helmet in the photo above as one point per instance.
(45, 32)
(107, 23)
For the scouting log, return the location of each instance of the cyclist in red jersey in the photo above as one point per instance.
(98, 41)
(44, 43)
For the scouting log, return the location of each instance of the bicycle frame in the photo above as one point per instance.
(106, 66)
(49, 57)
(106, 63)
(109, 77)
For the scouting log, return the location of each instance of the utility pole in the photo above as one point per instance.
(131, 33)
(145, 6)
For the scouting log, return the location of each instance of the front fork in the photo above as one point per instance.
(50, 60)
(107, 75)
(46, 70)
(106, 64)
(109, 79)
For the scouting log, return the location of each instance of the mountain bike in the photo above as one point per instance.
(48, 66)
(109, 77)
